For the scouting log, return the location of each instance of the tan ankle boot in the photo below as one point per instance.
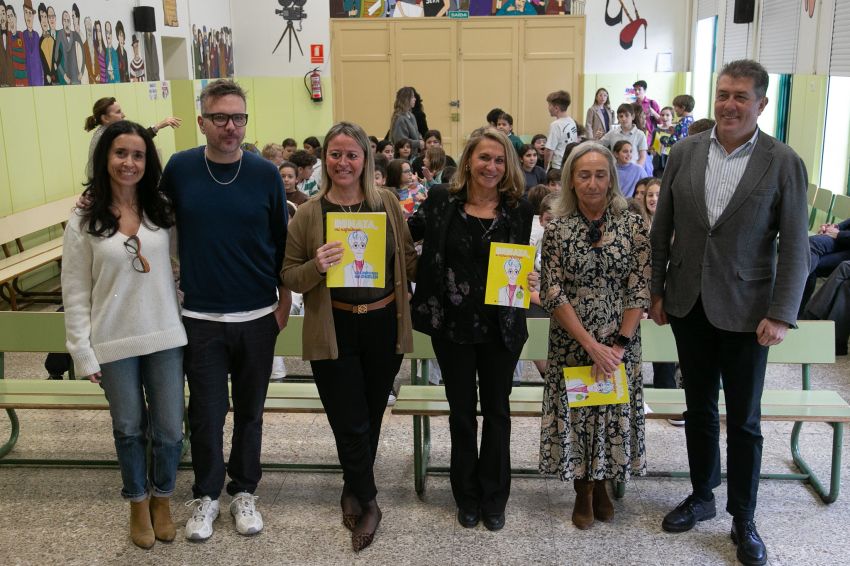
(163, 526)
(141, 530)
(583, 510)
(603, 508)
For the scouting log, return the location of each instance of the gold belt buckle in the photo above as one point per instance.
(360, 309)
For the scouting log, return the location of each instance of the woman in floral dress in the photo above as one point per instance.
(595, 275)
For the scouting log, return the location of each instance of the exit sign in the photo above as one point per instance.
(459, 14)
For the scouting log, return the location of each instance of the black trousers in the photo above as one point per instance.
(708, 354)
(245, 349)
(832, 302)
(664, 375)
(354, 389)
(479, 480)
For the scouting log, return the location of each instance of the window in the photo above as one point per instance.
(835, 136)
(768, 118)
(704, 67)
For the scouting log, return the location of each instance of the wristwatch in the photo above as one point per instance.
(622, 340)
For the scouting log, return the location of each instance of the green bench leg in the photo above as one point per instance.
(13, 434)
(619, 489)
(835, 474)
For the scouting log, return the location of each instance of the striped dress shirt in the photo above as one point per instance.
(723, 173)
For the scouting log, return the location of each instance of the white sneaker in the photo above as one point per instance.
(249, 521)
(392, 398)
(676, 422)
(200, 524)
(278, 370)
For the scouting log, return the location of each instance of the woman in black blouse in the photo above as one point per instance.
(457, 223)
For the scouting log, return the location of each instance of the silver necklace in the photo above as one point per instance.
(350, 208)
(238, 169)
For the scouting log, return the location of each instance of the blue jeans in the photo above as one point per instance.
(145, 395)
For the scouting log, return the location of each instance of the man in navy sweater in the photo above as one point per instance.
(231, 218)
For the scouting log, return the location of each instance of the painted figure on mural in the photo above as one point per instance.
(100, 52)
(222, 54)
(351, 7)
(480, 7)
(372, 8)
(196, 52)
(111, 54)
(15, 49)
(5, 57)
(89, 54)
(205, 45)
(46, 44)
(123, 69)
(435, 8)
(213, 54)
(554, 7)
(137, 64)
(408, 9)
(65, 54)
(517, 8)
(35, 72)
(230, 70)
(151, 56)
(79, 50)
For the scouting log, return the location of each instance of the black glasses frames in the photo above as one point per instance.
(134, 247)
(220, 119)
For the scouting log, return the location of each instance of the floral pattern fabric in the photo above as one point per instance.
(603, 442)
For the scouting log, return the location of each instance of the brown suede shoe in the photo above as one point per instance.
(583, 510)
(141, 530)
(603, 508)
(163, 525)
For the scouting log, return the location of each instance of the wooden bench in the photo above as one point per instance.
(13, 229)
(811, 343)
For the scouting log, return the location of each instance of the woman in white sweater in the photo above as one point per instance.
(122, 319)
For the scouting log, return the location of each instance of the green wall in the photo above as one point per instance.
(662, 87)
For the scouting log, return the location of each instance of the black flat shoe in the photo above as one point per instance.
(494, 521)
(468, 519)
(751, 549)
(688, 513)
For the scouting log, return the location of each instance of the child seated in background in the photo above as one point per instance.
(553, 180)
(538, 142)
(403, 149)
(505, 124)
(305, 162)
(381, 163)
(628, 173)
(289, 174)
(274, 153)
(290, 146)
(385, 148)
(535, 198)
(433, 164)
(640, 188)
(534, 174)
(410, 192)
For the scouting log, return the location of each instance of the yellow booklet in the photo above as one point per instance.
(507, 275)
(364, 239)
(584, 391)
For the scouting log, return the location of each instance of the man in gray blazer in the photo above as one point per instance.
(729, 288)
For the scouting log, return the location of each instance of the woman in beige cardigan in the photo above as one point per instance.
(355, 338)
(600, 116)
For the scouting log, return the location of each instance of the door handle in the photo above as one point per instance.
(454, 103)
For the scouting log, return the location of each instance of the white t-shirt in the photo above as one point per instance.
(635, 137)
(561, 132)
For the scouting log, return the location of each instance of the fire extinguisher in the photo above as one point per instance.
(314, 89)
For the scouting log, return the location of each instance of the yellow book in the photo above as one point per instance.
(364, 239)
(507, 275)
(584, 391)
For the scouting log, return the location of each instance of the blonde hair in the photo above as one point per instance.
(271, 150)
(367, 177)
(512, 184)
(568, 201)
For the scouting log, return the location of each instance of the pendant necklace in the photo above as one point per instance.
(238, 169)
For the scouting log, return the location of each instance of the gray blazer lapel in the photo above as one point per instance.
(699, 163)
(756, 168)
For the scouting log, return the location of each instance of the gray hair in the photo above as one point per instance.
(747, 68)
(568, 201)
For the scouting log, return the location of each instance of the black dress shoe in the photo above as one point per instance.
(751, 549)
(494, 521)
(687, 513)
(468, 519)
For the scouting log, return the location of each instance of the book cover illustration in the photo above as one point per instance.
(507, 275)
(584, 391)
(364, 240)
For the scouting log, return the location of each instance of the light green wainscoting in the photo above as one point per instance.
(807, 120)
(662, 87)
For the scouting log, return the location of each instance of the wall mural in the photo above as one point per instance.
(630, 30)
(212, 52)
(70, 49)
(440, 8)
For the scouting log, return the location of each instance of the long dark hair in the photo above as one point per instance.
(98, 216)
(98, 111)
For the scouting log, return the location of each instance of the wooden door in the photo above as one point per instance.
(552, 57)
(363, 73)
(426, 59)
(488, 70)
